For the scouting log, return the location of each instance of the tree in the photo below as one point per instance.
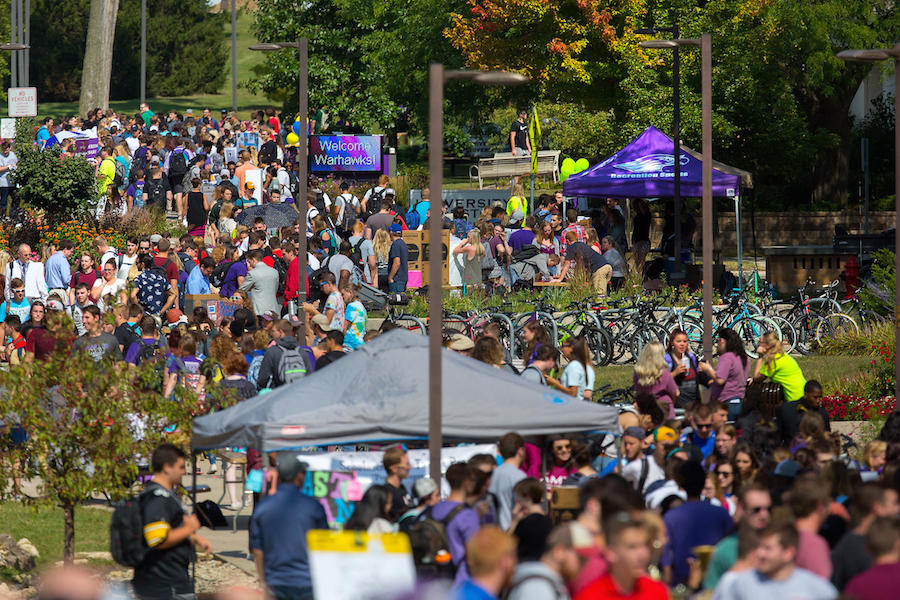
(46, 181)
(98, 53)
(89, 423)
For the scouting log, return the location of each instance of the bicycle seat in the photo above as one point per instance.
(398, 299)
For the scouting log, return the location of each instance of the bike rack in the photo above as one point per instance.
(512, 329)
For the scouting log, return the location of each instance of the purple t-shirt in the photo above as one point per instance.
(460, 530)
(522, 237)
(191, 365)
(871, 584)
(735, 375)
(237, 269)
(692, 524)
(664, 389)
(495, 241)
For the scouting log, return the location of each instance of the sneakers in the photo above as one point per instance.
(237, 506)
(213, 469)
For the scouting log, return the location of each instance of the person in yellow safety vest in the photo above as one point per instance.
(517, 201)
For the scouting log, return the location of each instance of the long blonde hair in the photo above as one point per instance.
(475, 240)
(381, 244)
(775, 348)
(651, 364)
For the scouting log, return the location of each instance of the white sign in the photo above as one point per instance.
(22, 102)
(7, 129)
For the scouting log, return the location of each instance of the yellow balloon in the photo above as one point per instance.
(293, 138)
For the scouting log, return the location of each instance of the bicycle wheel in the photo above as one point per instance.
(600, 344)
(833, 325)
(788, 333)
(457, 323)
(751, 330)
(644, 334)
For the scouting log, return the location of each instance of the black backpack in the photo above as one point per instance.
(178, 165)
(155, 195)
(356, 256)
(315, 291)
(161, 269)
(217, 279)
(282, 268)
(152, 353)
(428, 538)
(374, 203)
(525, 252)
(126, 533)
(146, 352)
(138, 162)
(320, 206)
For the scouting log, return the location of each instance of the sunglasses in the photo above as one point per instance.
(564, 447)
(703, 425)
(19, 291)
(724, 473)
(758, 509)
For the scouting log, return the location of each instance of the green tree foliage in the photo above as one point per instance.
(46, 181)
(185, 48)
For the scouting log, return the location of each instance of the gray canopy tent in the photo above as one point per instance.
(379, 393)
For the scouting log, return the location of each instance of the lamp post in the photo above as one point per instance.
(303, 108)
(143, 51)
(678, 271)
(705, 43)
(437, 77)
(874, 56)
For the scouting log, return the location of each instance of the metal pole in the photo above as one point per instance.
(14, 38)
(26, 53)
(706, 94)
(435, 295)
(20, 54)
(896, 230)
(144, 53)
(676, 133)
(865, 144)
(234, 57)
(303, 101)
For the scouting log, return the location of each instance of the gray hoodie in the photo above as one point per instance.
(268, 369)
(537, 581)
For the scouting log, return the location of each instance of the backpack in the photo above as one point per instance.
(525, 252)
(178, 164)
(121, 174)
(282, 268)
(126, 533)
(560, 594)
(138, 161)
(217, 279)
(428, 538)
(349, 219)
(461, 228)
(374, 204)
(413, 219)
(291, 366)
(315, 291)
(146, 352)
(488, 264)
(217, 162)
(253, 369)
(320, 206)
(356, 256)
(155, 196)
(161, 269)
(333, 244)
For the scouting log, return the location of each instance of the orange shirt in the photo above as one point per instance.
(605, 588)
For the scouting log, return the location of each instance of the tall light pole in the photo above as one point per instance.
(144, 52)
(437, 77)
(234, 55)
(875, 56)
(705, 43)
(678, 272)
(303, 101)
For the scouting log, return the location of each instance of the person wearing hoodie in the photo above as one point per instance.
(546, 579)
(282, 333)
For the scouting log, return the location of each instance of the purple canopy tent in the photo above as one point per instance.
(644, 169)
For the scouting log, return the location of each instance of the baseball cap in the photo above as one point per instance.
(289, 467)
(516, 217)
(250, 186)
(494, 221)
(461, 342)
(322, 322)
(154, 129)
(154, 239)
(224, 111)
(424, 487)
(788, 468)
(636, 432)
(225, 173)
(396, 228)
(55, 305)
(134, 127)
(665, 434)
(189, 112)
(294, 320)
(154, 160)
(175, 316)
(268, 316)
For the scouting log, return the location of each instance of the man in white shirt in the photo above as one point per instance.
(346, 201)
(284, 182)
(648, 470)
(101, 246)
(31, 272)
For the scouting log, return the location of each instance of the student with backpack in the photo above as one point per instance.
(156, 190)
(176, 165)
(362, 253)
(284, 362)
(348, 207)
(465, 523)
(371, 202)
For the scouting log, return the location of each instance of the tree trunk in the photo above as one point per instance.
(69, 537)
(98, 56)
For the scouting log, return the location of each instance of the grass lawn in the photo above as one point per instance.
(825, 369)
(43, 526)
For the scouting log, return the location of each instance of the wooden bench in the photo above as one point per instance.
(504, 164)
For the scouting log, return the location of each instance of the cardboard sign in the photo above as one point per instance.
(336, 491)
(247, 139)
(353, 565)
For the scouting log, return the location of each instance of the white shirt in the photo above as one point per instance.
(284, 181)
(342, 201)
(113, 288)
(127, 261)
(313, 262)
(632, 472)
(32, 275)
(6, 161)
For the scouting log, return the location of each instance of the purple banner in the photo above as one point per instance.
(87, 147)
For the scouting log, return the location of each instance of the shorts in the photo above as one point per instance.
(175, 185)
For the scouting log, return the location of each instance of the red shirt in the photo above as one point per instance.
(291, 283)
(42, 342)
(873, 584)
(605, 588)
(171, 269)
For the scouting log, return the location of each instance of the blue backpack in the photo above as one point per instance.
(413, 219)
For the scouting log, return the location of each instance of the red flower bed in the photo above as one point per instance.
(850, 407)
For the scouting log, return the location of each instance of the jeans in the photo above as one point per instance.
(397, 287)
(734, 408)
(284, 592)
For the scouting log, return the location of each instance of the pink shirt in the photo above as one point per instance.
(664, 389)
(814, 555)
(735, 375)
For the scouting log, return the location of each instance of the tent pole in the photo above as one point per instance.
(740, 241)
(531, 204)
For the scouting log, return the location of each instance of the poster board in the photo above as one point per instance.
(336, 491)
(87, 147)
(216, 306)
(7, 129)
(358, 566)
(247, 139)
(256, 176)
(231, 155)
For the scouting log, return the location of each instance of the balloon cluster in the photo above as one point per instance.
(570, 167)
(293, 138)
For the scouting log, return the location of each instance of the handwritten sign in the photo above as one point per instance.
(22, 102)
(356, 566)
(336, 491)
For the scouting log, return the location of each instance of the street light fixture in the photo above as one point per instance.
(14, 47)
(678, 271)
(437, 77)
(874, 56)
(302, 110)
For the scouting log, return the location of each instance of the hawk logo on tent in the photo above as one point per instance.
(652, 163)
(554, 399)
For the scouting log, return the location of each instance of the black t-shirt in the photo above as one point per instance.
(532, 532)
(328, 358)
(584, 254)
(400, 250)
(521, 131)
(196, 216)
(163, 573)
(268, 152)
(399, 496)
(641, 231)
(126, 333)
